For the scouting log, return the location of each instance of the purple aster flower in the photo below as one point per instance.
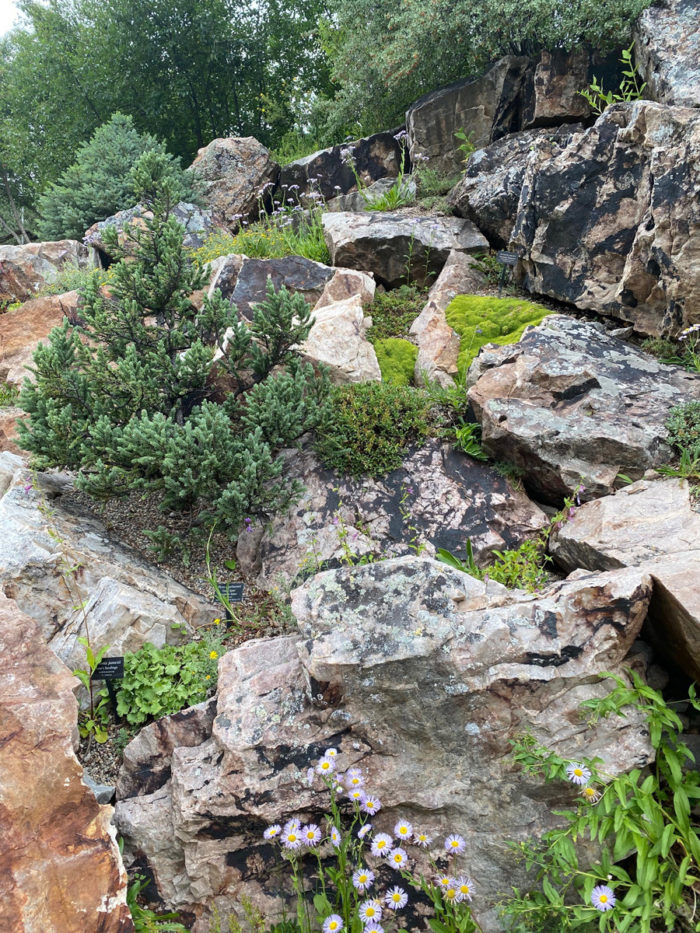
(336, 837)
(370, 804)
(381, 844)
(363, 830)
(370, 911)
(465, 886)
(578, 773)
(333, 924)
(396, 898)
(397, 858)
(455, 843)
(272, 831)
(311, 835)
(603, 898)
(363, 879)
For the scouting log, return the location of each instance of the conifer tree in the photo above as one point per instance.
(123, 397)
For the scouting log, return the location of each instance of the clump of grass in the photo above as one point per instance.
(8, 395)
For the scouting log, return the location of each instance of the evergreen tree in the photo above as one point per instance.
(99, 183)
(124, 396)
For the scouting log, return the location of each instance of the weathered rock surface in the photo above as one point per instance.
(489, 191)
(438, 498)
(233, 173)
(55, 559)
(396, 247)
(22, 330)
(611, 223)
(375, 157)
(667, 51)
(60, 867)
(338, 340)
(438, 343)
(416, 673)
(552, 92)
(347, 283)
(485, 107)
(8, 429)
(25, 269)
(198, 225)
(244, 281)
(570, 404)
(654, 525)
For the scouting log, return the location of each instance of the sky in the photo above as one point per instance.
(8, 12)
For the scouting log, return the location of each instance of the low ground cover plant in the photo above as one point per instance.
(397, 360)
(684, 436)
(480, 320)
(394, 311)
(369, 427)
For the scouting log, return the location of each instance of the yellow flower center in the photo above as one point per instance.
(370, 912)
(454, 844)
(396, 898)
(578, 772)
(603, 898)
(451, 893)
(363, 878)
(333, 925)
(464, 889)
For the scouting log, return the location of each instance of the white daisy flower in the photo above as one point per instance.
(370, 911)
(451, 894)
(330, 753)
(353, 778)
(465, 886)
(333, 924)
(363, 830)
(291, 839)
(396, 898)
(325, 766)
(272, 831)
(290, 825)
(373, 928)
(422, 840)
(362, 879)
(455, 843)
(356, 794)
(403, 830)
(310, 834)
(397, 858)
(578, 773)
(371, 804)
(443, 881)
(336, 838)
(381, 844)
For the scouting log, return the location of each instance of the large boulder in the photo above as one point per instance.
(569, 404)
(611, 222)
(337, 340)
(244, 281)
(489, 191)
(62, 569)
(417, 673)
(438, 343)
(552, 93)
(24, 270)
(485, 107)
(654, 525)
(60, 866)
(198, 225)
(438, 498)
(667, 51)
(234, 174)
(396, 247)
(24, 328)
(328, 171)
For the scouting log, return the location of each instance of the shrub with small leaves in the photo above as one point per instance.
(371, 426)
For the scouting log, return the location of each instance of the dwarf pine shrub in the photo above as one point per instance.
(126, 396)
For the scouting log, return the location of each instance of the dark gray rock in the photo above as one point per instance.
(489, 191)
(375, 157)
(439, 498)
(486, 107)
(104, 793)
(667, 49)
(244, 280)
(611, 222)
(551, 94)
(570, 404)
(398, 247)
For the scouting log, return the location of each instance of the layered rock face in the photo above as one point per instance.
(55, 560)
(198, 225)
(654, 525)
(667, 49)
(375, 157)
(612, 222)
(397, 248)
(438, 498)
(233, 172)
(418, 674)
(60, 867)
(571, 405)
(25, 269)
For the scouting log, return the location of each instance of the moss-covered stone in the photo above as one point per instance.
(482, 319)
(397, 360)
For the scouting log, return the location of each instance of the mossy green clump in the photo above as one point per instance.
(397, 360)
(481, 319)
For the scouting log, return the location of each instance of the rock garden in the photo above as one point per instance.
(350, 522)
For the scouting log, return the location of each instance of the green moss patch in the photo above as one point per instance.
(480, 320)
(397, 360)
